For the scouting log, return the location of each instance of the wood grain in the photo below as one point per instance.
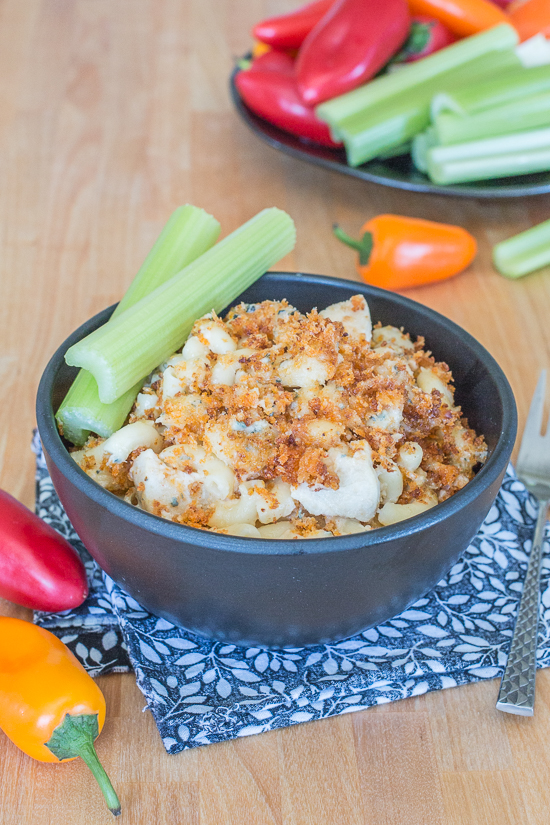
(111, 114)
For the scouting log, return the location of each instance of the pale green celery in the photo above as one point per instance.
(518, 154)
(82, 413)
(122, 352)
(496, 91)
(420, 145)
(523, 253)
(396, 151)
(456, 78)
(519, 141)
(363, 143)
(377, 92)
(519, 116)
(485, 168)
(189, 232)
(366, 135)
(535, 51)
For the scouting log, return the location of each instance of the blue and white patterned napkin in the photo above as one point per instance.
(201, 691)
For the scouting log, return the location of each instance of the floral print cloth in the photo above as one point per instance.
(201, 691)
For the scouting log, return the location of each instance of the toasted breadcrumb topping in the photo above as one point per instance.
(272, 423)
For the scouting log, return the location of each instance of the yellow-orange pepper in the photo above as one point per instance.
(260, 48)
(462, 17)
(396, 252)
(49, 706)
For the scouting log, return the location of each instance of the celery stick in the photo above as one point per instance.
(518, 154)
(366, 135)
(517, 142)
(82, 413)
(420, 145)
(189, 232)
(459, 77)
(523, 253)
(396, 151)
(133, 344)
(363, 143)
(377, 91)
(519, 116)
(485, 168)
(535, 51)
(496, 91)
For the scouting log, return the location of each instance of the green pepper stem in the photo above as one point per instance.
(244, 63)
(89, 755)
(417, 41)
(364, 246)
(75, 737)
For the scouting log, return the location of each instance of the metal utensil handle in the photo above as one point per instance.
(517, 689)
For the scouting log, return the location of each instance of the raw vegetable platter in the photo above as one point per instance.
(446, 96)
(398, 172)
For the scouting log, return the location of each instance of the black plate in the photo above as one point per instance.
(399, 173)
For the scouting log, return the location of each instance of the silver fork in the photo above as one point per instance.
(517, 689)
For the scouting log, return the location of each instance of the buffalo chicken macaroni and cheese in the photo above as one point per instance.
(273, 424)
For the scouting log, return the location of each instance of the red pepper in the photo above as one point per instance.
(352, 42)
(288, 31)
(272, 94)
(427, 36)
(274, 61)
(38, 567)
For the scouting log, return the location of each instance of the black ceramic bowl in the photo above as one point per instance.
(283, 593)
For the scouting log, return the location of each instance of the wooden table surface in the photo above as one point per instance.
(113, 112)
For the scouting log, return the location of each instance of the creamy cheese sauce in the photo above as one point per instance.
(275, 424)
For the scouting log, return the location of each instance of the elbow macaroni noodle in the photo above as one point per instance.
(274, 424)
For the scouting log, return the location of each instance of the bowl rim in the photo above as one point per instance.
(488, 473)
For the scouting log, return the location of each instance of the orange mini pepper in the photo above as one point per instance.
(260, 48)
(462, 17)
(396, 252)
(530, 17)
(49, 706)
